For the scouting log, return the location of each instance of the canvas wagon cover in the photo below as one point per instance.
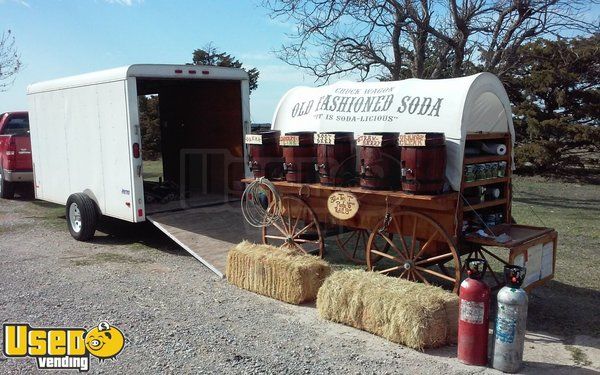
(455, 107)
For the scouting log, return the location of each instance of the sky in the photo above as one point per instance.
(58, 38)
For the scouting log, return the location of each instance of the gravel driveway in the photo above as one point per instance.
(177, 316)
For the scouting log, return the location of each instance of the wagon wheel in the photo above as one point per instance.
(411, 257)
(354, 245)
(297, 228)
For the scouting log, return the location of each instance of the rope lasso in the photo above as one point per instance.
(261, 203)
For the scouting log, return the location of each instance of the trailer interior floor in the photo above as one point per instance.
(190, 203)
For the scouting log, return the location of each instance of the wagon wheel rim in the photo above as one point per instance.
(410, 259)
(350, 246)
(301, 232)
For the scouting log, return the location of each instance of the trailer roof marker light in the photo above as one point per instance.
(192, 71)
(178, 71)
(205, 72)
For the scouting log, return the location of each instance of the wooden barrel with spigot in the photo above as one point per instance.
(336, 158)
(379, 161)
(299, 153)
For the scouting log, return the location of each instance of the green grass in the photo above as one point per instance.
(152, 169)
(574, 211)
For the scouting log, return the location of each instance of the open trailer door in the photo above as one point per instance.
(203, 114)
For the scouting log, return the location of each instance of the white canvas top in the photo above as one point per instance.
(140, 70)
(455, 107)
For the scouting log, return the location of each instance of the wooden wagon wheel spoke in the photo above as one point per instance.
(301, 231)
(275, 237)
(427, 244)
(413, 239)
(357, 242)
(302, 240)
(436, 274)
(297, 220)
(353, 244)
(283, 233)
(387, 256)
(402, 240)
(289, 218)
(434, 247)
(364, 238)
(282, 230)
(424, 280)
(306, 250)
(433, 259)
(393, 245)
(390, 269)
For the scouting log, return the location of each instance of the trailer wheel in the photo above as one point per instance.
(81, 216)
(7, 188)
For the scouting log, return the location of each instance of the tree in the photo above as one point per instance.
(148, 107)
(396, 39)
(211, 56)
(555, 90)
(10, 60)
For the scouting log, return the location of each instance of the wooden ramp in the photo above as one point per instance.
(206, 233)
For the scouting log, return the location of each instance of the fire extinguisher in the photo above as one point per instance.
(474, 310)
(509, 331)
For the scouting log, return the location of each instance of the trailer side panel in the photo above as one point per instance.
(80, 143)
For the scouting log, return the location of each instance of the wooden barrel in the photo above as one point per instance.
(299, 153)
(379, 161)
(265, 154)
(336, 157)
(424, 163)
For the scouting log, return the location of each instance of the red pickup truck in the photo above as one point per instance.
(15, 152)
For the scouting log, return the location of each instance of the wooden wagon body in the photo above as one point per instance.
(420, 237)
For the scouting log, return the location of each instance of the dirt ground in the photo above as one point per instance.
(178, 317)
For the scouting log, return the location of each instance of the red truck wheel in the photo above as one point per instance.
(81, 216)
(7, 189)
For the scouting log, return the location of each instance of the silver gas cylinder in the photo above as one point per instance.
(509, 331)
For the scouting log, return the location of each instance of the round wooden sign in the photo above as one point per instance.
(342, 205)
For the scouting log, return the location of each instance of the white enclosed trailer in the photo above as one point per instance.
(87, 144)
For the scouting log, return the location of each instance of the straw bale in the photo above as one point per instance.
(413, 314)
(279, 273)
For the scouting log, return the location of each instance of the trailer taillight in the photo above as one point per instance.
(136, 150)
(140, 212)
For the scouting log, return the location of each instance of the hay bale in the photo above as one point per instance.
(280, 273)
(413, 314)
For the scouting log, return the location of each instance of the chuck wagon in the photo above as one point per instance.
(422, 227)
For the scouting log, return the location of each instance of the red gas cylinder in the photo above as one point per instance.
(474, 310)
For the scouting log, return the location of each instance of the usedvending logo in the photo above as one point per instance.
(60, 347)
